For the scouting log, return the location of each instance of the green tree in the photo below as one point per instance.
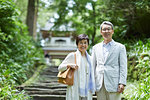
(31, 20)
(22, 6)
(18, 53)
(131, 18)
(85, 16)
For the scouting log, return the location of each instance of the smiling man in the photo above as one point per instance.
(110, 65)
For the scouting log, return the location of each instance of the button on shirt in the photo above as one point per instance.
(106, 49)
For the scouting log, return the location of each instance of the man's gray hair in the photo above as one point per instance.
(108, 23)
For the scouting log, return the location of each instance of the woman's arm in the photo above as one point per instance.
(69, 60)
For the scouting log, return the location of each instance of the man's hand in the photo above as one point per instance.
(120, 88)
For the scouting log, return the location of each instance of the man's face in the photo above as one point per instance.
(107, 32)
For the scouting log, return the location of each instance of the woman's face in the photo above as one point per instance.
(82, 46)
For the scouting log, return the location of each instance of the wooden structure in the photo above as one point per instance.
(58, 43)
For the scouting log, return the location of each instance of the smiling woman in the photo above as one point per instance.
(82, 42)
(82, 46)
(84, 85)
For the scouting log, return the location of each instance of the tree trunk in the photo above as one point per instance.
(32, 17)
(94, 22)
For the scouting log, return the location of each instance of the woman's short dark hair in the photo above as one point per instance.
(82, 37)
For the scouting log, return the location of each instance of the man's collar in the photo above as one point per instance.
(110, 43)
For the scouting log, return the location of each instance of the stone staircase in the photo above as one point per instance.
(46, 86)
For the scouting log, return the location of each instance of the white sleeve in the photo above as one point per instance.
(94, 61)
(69, 60)
(123, 66)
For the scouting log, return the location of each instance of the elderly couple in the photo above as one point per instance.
(104, 73)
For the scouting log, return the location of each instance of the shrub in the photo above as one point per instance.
(139, 92)
(18, 52)
(138, 59)
(139, 70)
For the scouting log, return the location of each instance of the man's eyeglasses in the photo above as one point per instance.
(106, 29)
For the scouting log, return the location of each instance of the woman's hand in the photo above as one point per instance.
(74, 66)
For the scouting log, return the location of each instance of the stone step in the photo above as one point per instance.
(49, 73)
(52, 97)
(51, 69)
(47, 84)
(46, 87)
(48, 97)
(49, 81)
(55, 97)
(43, 89)
(48, 76)
(49, 92)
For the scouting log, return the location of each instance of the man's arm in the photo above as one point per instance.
(123, 65)
(123, 69)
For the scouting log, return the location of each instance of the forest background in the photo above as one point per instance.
(21, 52)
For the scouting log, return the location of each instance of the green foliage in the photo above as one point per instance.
(18, 52)
(138, 69)
(22, 6)
(83, 19)
(8, 92)
(138, 60)
(139, 92)
(131, 18)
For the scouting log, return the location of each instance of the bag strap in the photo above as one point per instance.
(75, 58)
